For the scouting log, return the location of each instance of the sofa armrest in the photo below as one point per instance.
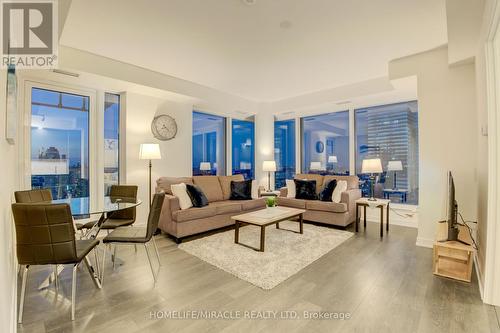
(349, 197)
(283, 192)
(170, 205)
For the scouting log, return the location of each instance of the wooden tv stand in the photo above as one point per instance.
(453, 259)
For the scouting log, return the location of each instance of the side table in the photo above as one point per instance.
(379, 203)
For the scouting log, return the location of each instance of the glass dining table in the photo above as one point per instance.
(81, 208)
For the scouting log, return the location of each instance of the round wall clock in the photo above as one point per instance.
(320, 147)
(164, 127)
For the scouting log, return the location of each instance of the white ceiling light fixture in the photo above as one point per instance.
(249, 2)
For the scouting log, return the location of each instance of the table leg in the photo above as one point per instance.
(236, 231)
(277, 225)
(387, 218)
(301, 223)
(381, 221)
(262, 237)
(93, 274)
(364, 216)
(357, 217)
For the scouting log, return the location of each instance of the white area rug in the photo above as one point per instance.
(286, 253)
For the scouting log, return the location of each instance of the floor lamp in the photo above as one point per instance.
(269, 166)
(149, 151)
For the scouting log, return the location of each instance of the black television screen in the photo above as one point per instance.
(452, 210)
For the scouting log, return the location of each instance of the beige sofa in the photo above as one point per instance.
(339, 214)
(181, 223)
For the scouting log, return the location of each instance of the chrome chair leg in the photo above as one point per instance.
(96, 259)
(56, 277)
(103, 267)
(23, 293)
(73, 292)
(156, 250)
(114, 256)
(150, 263)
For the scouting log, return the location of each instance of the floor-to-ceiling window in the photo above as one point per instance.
(389, 132)
(209, 144)
(284, 151)
(325, 143)
(60, 143)
(243, 147)
(111, 140)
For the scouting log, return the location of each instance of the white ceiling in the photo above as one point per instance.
(242, 50)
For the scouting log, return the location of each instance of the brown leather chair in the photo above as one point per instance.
(31, 196)
(138, 235)
(120, 218)
(45, 236)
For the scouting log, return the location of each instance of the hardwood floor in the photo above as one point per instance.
(385, 285)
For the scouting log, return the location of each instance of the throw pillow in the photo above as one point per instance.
(255, 189)
(180, 191)
(305, 189)
(337, 192)
(327, 191)
(290, 188)
(198, 198)
(241, 190)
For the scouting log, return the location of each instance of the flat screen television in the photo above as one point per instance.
(452, 209)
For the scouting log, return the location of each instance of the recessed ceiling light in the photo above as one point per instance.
(285, 24)
(249, 2)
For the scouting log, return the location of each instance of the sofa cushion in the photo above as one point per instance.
(241, 190)
(198, 198)
(226, 207)
(291, 202)
(194, 213)
(352, 181)
(253, 204)
(327, 191)
(318, 178)
(305, 189)
(164, 183)
(210, 186)
(326, 206)
(225, 184)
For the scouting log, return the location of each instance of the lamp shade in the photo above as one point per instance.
(149, 151)
(205, 166)
(394, 166)
(332, 159)
(373, 165)
(269, 166)
(315, 166)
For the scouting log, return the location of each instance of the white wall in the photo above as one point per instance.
(176, 153)
(447, 134)
(7, 254)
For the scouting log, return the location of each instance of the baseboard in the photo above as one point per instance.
(479, 274)
(425, 242)
(393, 221)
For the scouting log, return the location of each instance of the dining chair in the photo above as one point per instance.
(122, 218)
(32, 196)
(138, 235)
(45, 236)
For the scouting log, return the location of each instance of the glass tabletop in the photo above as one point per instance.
(81, 206)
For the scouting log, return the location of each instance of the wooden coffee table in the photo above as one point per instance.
(266, 217)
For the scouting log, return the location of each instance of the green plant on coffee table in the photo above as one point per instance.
(271, 201)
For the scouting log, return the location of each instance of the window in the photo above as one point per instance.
(209, 144)
(111, 140)
(390, 132)
(60, 143)
(325, 144)
(243, 148)
(284, 151)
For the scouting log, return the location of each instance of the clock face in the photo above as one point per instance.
(164, 127)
